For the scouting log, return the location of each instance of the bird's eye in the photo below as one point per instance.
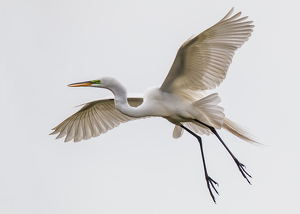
(96, 81)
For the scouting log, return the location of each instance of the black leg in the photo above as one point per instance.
(209, 181)
(239, 164)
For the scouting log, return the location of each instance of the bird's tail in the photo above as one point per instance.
(238, 131)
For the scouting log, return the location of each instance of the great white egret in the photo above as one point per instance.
(201, 63)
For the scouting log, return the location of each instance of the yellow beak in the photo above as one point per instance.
(80, 84)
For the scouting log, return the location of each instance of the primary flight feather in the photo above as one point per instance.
(201, 64)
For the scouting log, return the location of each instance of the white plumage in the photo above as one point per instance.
(201, 64)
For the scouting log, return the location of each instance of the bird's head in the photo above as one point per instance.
(104, 82)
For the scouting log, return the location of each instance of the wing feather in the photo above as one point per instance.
(93, 119)
(202, 62)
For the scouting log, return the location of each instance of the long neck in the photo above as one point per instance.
(121, 101)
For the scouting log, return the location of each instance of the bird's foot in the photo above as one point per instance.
(210, 183)
(242, 169)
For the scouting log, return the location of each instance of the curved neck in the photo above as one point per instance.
(121, 102)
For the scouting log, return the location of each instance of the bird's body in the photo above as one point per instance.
(200, 64)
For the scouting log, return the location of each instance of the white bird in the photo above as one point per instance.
(201, 64)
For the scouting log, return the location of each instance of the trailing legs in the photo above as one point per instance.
(209, 181)
(239, 164)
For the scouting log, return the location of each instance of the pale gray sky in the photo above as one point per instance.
(138, 167)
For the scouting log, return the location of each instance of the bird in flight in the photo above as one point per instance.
(201, 64)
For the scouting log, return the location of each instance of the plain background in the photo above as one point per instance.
(138, 167)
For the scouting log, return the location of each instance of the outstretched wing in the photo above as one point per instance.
(93, 119)
(202, 62)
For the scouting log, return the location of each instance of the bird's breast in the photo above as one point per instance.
(167, 105)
